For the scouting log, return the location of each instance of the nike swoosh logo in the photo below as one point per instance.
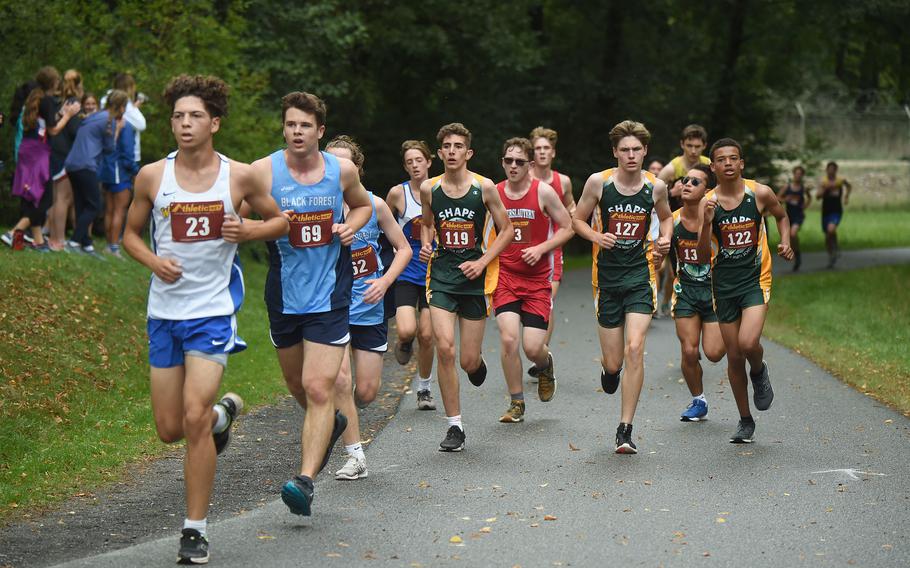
(216, 343)
(166, 194)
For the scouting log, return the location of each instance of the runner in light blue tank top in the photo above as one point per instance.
(309, 270)
(367, 265)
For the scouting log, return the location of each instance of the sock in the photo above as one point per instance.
(518, 396)
(700, 397)
(747, 419)
(222, 420)
(455, 421)
(198, 525)
(423, 384)
(355, 450)
(753, 374)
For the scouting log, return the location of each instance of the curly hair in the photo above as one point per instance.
(212, 90)
(348, 143)
(456, 129)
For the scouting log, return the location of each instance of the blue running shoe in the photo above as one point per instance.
(297, 494)
(697, 410)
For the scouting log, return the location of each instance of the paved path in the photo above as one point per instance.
(849, 260)
(825, 484)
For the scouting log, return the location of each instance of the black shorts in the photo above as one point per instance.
(328, 328)
(527, 318)
(410, 294)
(370, 337)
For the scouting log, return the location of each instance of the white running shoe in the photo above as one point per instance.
(353, 469)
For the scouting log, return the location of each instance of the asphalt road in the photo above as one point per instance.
(825, 484)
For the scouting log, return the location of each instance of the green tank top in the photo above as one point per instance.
(629, 218)
(689, 271)
(742, 260)
(460, 226)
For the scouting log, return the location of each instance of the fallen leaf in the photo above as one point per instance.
(486, 529)
(549, 517)
(572, 447)
(490, 520)
(544, 484)
(706, 554)
(423, 485)
(647, 482)
(343, 544)
(535, 525)
(265, 537)
(456, 540)
(720, 520)
(333, 555)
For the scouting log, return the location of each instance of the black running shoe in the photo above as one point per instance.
(762, 393)
(297, 494)
(194, 549)
(745, 431)
(479, 375)
(609, 382)
(233, 404)
(341, 422)
(454, 440)
(624, 443)
(403, 352)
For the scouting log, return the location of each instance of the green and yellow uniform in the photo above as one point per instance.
(741, 261)
(680, 169)
(464, 230)
(623, 277)
(692, 287)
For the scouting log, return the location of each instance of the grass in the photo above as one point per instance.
(859, 229)
(74, 400)
(857, 332)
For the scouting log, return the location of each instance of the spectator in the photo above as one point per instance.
(60, 148)
(89, 104)
(125, 82)
(116, 174)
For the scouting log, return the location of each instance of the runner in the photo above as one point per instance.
(197, 285)
(411, 287)
(741, 274)
(655, 165)
(523, 296)
(367, 319)
(308, 288)
(693, 141)
(463, 268)
(692, 305)
(544, 142)
(834, 191)
(624, 280)
(797, 198)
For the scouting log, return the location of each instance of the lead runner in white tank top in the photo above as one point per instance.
(211, 283)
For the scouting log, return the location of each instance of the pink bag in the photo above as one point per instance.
(32, 170)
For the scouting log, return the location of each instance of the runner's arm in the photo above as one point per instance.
(255, 192)
(847, 189)
(357, 200)
(427, 225)
(667, 173)
(389, 226)
(559, 214)
(768, 202)
(705, 230)
(505, 233)
(665, 216)
(568, 198)
(590, 197)
(395, 200)
(145, 189)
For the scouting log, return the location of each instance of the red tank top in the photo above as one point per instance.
(556, 183)
(532, 227)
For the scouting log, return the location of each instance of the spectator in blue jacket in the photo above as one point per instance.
(116, 174)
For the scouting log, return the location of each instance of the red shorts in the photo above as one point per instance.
(557, 265)
(535, 295)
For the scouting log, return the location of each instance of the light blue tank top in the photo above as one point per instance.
(364, 256)
(309, 269)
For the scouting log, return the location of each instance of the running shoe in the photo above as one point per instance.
(624, 443)
(454, 440)
(546, 385)
(403, 352)
(90, 251)
(43, 247)
(341, 422)
(72, 246)
(7, 238)
(233, 405)
(609, 382)
(354, 468)
(515, 413)
(479, 375)
(745, 430)
(425, 400)
(762, 393)
(533, 371)
(697, 410)
(297, 494)
(194, 549)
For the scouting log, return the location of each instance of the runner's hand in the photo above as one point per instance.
(167, 269)
(344, 233)
(233, 230)
(531, 255)
(663, 246)
(709, 206)
(607, 240)
(426, 251)
(376, 291)
(472, 269)
(785, 251)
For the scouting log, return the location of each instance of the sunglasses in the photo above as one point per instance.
(517, 161)
(694, 181)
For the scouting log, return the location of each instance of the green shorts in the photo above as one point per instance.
(614, 303)
(472, 307)
(730, 310)
(690, 301)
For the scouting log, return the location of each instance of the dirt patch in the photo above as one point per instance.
(148, 503)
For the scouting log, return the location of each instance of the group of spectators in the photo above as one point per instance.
(69, 146)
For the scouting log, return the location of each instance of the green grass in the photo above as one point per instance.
(74, 404)
(857, 331)
(859, 229)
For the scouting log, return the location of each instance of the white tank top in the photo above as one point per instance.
(187, 227)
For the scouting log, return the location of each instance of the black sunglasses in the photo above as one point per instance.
(517, 161)
(693, 180)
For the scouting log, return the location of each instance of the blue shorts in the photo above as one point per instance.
(830, 218)
(171, 340)
(328, 328)
(370, 337)
(117, 187)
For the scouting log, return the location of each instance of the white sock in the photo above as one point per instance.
(423, 384)
(355, 450)
(455, 421)
(700, 397)
(222, 420)
(198, 525)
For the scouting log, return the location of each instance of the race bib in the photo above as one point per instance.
(310, 229)
(457, 235)
(628, 226)
(686, 251)
(522, 229)
(414, 232)
(739, 235)
(196, 221)
(364, 262)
